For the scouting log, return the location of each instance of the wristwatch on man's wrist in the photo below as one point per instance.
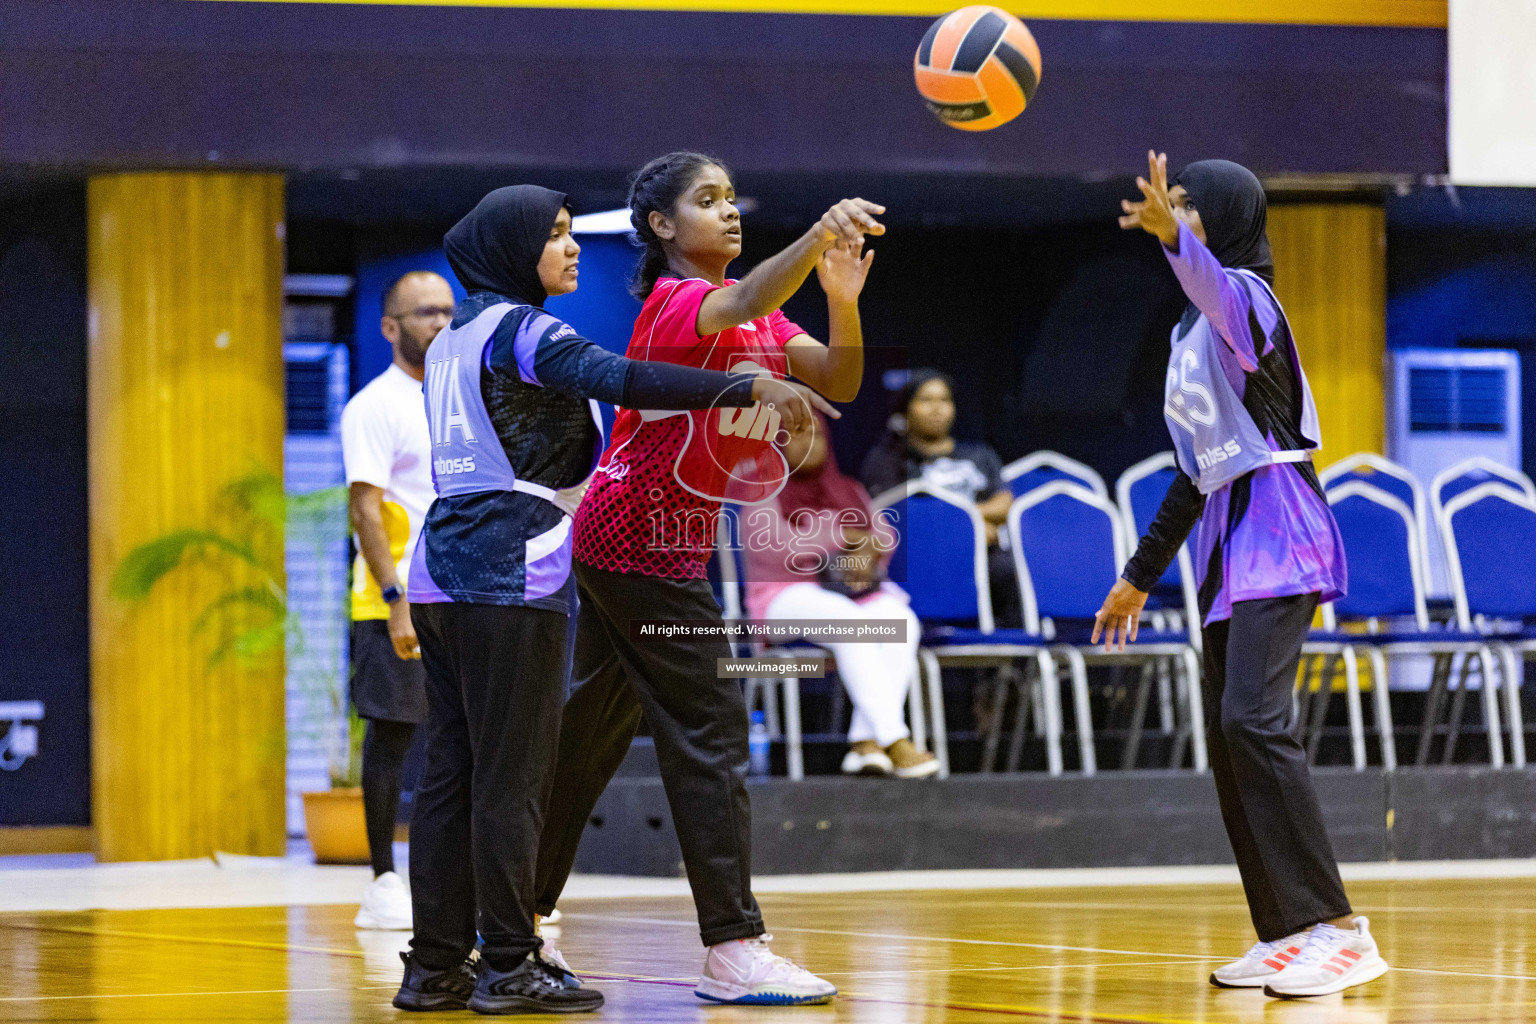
(392, 593)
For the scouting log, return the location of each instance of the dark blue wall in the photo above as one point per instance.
(318, 88)
(1461, 272)
(44, 638)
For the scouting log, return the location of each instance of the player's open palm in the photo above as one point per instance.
(1120, 616)
(1154, 214)
(842, 271)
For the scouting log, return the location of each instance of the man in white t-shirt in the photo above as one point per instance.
(388, 457)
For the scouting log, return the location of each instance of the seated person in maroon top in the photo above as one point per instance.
(814, 552)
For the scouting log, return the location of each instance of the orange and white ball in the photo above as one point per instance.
(977, 68)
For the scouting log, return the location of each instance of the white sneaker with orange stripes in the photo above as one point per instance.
(1333, 960)
(1259, 964)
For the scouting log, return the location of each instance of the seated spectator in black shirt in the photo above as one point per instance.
(917, 446)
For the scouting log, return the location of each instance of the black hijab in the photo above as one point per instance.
(497, 246)
(1234, 212)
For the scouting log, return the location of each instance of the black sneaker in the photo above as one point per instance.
(424, 989)
(533, 986)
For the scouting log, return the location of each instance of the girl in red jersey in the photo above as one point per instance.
(644, 534)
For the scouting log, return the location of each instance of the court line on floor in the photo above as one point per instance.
(1000, 942)
(981, 970)
(914, 938)
(168, 995)
(114, 933)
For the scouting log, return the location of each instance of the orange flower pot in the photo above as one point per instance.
(333, 820)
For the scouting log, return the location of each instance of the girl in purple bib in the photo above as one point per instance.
(1267, 551)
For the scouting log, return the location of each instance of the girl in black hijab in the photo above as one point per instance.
(1267, 551)
(509, 392)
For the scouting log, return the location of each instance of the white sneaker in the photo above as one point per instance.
(386, 905)
(556, 959)
(1333, 960)
(1259, 964)
(746, 971)
(554, 916)
(876, 762)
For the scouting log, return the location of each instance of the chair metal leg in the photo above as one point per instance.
(1318, 709)
(1385, 734)
(1458, 695)
(1165, 716)
(1050, 699)
(917, 719)
(771, 707)
(1434, 699)
(1352, 703)
(1079, 667)
(1491, 708)
(1020, 723)
(794, 751)
(930, 670)
(1196, 697)
(1138, 715)
(994, 731)
(1512, 666)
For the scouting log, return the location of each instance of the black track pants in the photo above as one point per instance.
(700, 727)
(495, 684)
(1267, 801)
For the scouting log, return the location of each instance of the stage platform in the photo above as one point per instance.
(1029, 820)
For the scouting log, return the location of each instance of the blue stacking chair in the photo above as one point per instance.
(1458, 479)
(1396, 480)
(941, 561)
(1069, 545)
(1490, 548)
(1386, 600)
(1044, 467)
(1173, 603)
(1139, 492)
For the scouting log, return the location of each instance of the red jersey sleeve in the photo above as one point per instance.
(784, 328)
(673, 336)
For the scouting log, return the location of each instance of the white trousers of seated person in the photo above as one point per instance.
(876, 675)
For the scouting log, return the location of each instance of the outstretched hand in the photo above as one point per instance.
(1119, 619)
(1154, 214)
(842, 272)
(849, 221)
(794, 402)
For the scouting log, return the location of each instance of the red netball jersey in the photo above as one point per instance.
(653, 503)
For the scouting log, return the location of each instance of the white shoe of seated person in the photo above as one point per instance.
(386, 905)
(554, 917)
(747, 972)
(866, 758)
(1259, 964)
(1333, 960)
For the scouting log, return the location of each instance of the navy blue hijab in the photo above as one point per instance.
(1233, 211)
(496, 247)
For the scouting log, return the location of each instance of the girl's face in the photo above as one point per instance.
(1184, 209)
(557, 266)
(705, 226)
(931, 412)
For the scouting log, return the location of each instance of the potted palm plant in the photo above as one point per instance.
(254, 620)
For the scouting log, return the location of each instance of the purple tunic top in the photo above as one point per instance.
(1269, 533)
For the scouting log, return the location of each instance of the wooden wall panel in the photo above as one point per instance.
(186, 396)
(1331, 276)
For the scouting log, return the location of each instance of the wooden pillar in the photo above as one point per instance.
(186, 421)
(1331, 276)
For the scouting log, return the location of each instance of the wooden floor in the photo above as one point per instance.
(1461, 951)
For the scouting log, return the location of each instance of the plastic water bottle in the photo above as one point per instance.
(757, 743)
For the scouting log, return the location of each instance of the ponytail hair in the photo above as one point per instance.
(657, 186)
